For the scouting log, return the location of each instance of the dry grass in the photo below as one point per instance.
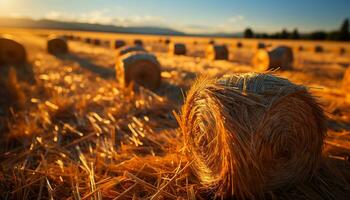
(81, 136)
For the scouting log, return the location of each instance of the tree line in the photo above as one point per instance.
(342, 34)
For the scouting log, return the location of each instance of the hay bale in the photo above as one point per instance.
(139, 67)
(119, 43)
(279, 57)
(212, 41)
(11, 51)
(57, 45)
(167, 41)
(319, 49)
(342, 50)
(88, 40)
(261, 45)
(138, 42)
(128, 49)
(248, 134)
(217, 52)
(177, 49)
(239, 45)
(300, 48)
(96, 42)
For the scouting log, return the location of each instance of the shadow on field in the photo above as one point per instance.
(102, 71)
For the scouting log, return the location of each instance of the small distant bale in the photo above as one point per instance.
(139, 67)
(279, 57)
(261, 45)
(319, 49)
(138, 42)
(300, 48)
(128, 49)
(217, 52)
(211, 41)
(177, 49)
(167, 41)
(96, 42)
(107, 43)
(88, 40)
(119, 43)
(57, 45)
(342, 50)
(195, 42)
(239, 45)
(11, 51)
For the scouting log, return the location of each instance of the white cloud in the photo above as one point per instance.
(235, 19)
(106, 17)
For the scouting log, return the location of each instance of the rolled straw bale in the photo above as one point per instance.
(212, 41)
(279, 57)
(11, 51)
(128, 49)
(248, 134)
(342, 50)
(139, 67)
(138, 42)
(177, 48)
(239, 45)
(57, 45)
(261, 45)
(319, 49)
(217, 52)
(96, 42)
(300, 48)
(167, 41)
(88, 40)
(119, 43)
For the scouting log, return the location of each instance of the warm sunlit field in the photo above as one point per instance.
(79, 134)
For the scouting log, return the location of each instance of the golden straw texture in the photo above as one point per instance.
(249, 134)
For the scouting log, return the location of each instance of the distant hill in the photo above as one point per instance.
(51, 24)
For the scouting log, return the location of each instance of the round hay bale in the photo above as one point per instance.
(279, 57)
(57, 45)
(139, 67)
(167, 41)
(300, 48)
(128, 49)
(119, 43)
(212, 41)
(319, 49)
(346, 81)
(138, 42)
(96, 42)
(342, 50)
(248, 134)
(239, 45)
(177, 49)
(261, 45)
(217, 52)
(88, 40)
(11, 51)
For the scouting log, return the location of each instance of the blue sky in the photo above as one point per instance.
(190, 15)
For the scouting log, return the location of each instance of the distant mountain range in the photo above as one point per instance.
(78, 26)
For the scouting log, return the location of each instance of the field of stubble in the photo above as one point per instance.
(83, 136)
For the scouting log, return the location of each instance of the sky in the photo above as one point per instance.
(191, 16)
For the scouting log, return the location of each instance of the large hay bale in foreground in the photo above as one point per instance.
(319, 49)
(11, 51)
(57, 45)
(217, 52)
(128, 49)
(119, 43)
(279, 57)
(139, 67)
(248, 134)
(138, 42)
(177, 49)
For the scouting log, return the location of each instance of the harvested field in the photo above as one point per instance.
(77, 132)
